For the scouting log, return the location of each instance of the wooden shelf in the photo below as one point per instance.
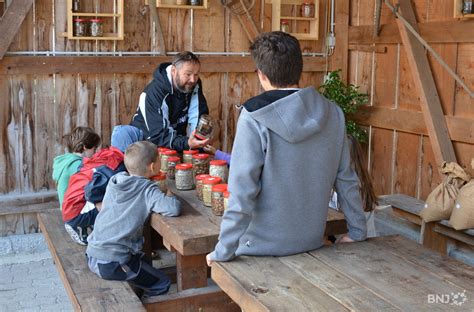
(458, 5)
(303, 28)
(114, 19)
(171, 4)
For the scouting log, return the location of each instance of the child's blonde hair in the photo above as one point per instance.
(81, 138)
(139, 156)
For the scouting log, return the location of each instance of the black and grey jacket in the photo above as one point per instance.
(167, 116)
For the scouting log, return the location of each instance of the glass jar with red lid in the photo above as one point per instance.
(164, 159)
(217, 199)
(226, 199)
(160, 181)
(172, 162)
(188, 156)
(199, 183)
(201, 163)
(184, 177)
(218, 168)
(207, 185)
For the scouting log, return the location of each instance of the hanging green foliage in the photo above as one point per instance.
(349, 99)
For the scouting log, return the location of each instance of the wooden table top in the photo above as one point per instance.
(196, 230)
(381, 274)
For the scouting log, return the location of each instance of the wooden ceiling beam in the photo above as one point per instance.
(423, 77)
(11, 22)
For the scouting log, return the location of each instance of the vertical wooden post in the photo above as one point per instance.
(423, 77)
(341, 54)
(191, 271)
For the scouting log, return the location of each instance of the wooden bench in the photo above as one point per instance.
(438, 236)
(86, 291)
(389, 273)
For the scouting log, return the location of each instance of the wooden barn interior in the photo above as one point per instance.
(419, 113)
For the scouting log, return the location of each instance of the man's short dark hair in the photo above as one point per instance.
(278, 56)
(185, 57)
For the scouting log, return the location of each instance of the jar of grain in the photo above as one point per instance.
(201, 163)
(199, 183)
(217, 199)
(207, 185)
(80, 27)
(97, 29)
(172, 162)
(204, 127)
(226, 199)
(188, 156)
(184, 177)
(164, 159)
(160, 181)
(218, 168)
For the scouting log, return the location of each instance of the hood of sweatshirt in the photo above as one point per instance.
(295, 117)
(126, 186)
(62, 162)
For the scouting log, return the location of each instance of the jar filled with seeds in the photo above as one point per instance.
(97, 29)
(80, 27)
(218, 168)
(207, 185)
(160, 181)
(172, 162)
(217, 199)
(188, 156)
(164, 159)
(201, 164)
(184, 177)
(226, 199)
(161, 150)
(204, 127)
(199, 183)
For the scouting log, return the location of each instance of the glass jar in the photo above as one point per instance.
(226, 200)
(199, 183)
(160, 181)
(467, 7)
(97, 29)
(284, 26)
(80, 27)
(217, 199)
(184, 177)
(188, 156)
(195, 2)
(164, 159)
(207, 185)
(307, 9)
(201, 163)
(204, 127)
(172, 162)
(218, 168)
(76, 5)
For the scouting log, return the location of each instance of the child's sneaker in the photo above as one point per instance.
(77, 234)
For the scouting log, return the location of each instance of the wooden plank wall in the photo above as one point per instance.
(400, 154)
(38, 107)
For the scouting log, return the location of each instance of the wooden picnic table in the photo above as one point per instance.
(388, 273)
(194, 234)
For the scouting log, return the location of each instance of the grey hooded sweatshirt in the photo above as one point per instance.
(118, 228)
(286, 158)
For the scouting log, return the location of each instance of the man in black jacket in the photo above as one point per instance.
(170, 105)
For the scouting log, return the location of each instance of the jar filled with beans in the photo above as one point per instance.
(217, 199)
(207, 185)
(160, 181)
(188, 156)
(201, 164)
(218, 168)
(199, 183)
(164, 159)
(184, 177)
(226, 199)
(161, 150)
(172, 162)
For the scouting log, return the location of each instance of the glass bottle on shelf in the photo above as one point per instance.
(96, 27)
(467, 7)
(307, 9)
(284, 26)
(76, 5)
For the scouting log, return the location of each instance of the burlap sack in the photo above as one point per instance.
(462, 217)
(440, 202)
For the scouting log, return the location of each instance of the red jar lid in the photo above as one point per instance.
(190, 152)
(170, 152)
(184, 167)
(173, 159)
(220, 188)
(284, 22)
(80, 20)
(202, 176)
(212, 180)
(162, 149)
(218, 162)
(226, 194)
(159, 177)
(96, 20)
(201, 156)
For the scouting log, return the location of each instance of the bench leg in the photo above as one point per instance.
(191, 271)
(432, 239)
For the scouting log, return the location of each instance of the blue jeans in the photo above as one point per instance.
(84, 220)
(136, 271)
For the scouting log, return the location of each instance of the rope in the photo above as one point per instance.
(429, 48)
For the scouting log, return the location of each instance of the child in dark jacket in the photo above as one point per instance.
(114, 250)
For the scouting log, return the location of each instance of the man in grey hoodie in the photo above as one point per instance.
(289, 151)
(114, 250)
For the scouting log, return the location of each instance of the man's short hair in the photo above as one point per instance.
(278, 56)
(139, 156)
(185, 57)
